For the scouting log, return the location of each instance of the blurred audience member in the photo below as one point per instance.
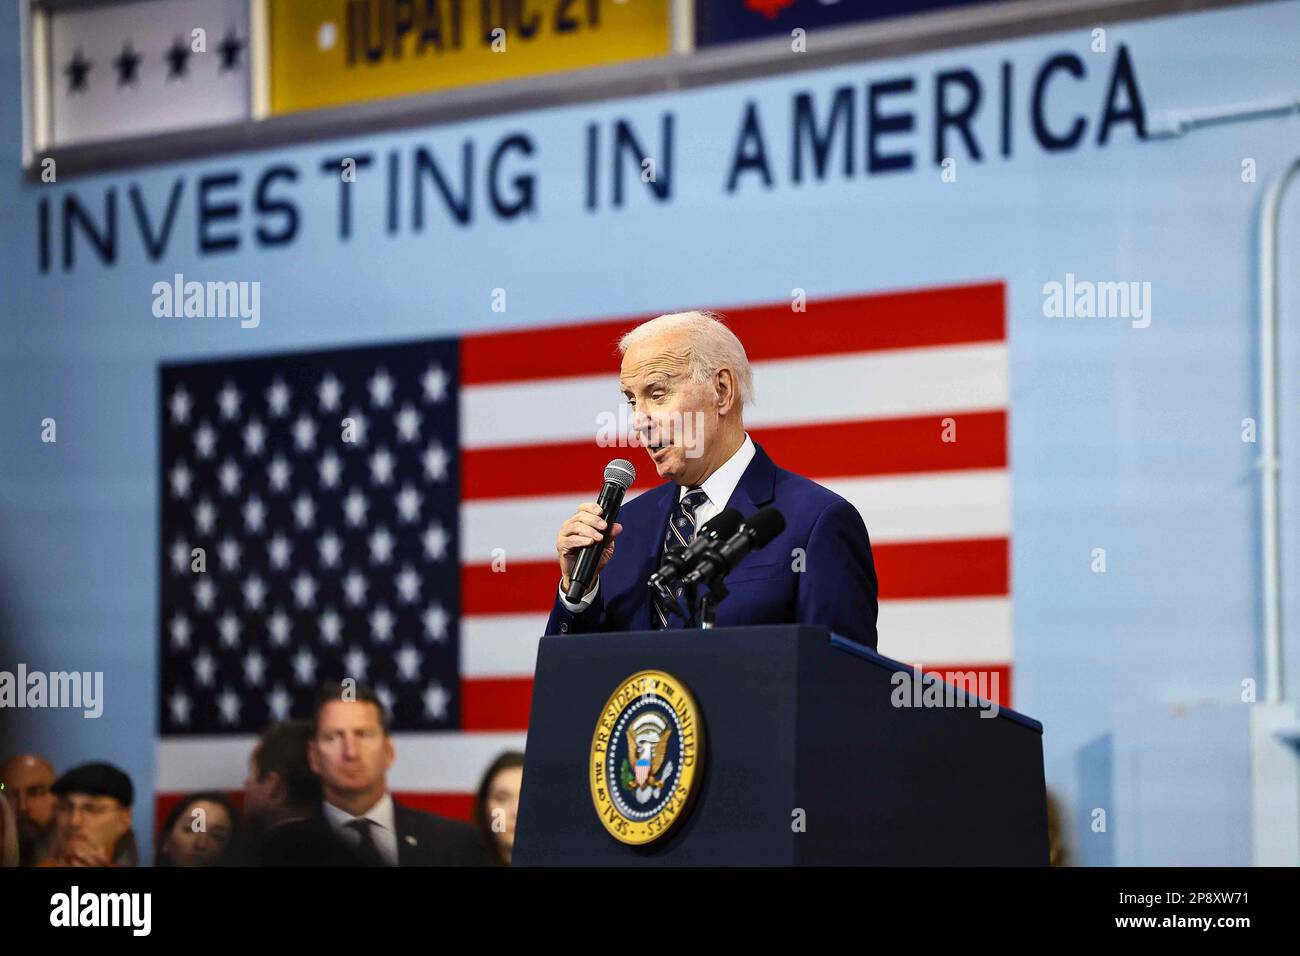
(281, 786)
(28, 780)
(280, 789)
(198, 831)
(93, 818)
(1057, 852)
(358, 823)
(8, 835)
(497, 804)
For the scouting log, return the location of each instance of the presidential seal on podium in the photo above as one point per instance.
(646, 757)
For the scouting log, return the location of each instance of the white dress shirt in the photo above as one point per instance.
(717, 489)
(383, 829)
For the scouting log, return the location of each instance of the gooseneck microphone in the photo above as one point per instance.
(716, 561)
(619, 475)
(716, 531)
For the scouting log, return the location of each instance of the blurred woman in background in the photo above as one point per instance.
(496, 805)
(198, 831)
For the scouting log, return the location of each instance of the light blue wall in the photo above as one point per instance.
(1123, 439)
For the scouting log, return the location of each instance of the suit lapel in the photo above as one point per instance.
(407, 845)
(756, 487)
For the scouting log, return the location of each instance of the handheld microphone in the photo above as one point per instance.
(717, 530)
(717, 561)
(619, 475)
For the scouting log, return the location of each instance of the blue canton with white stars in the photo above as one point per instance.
(323, 490)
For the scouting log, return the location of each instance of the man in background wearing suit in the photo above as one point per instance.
(359, 822)
(688, 380)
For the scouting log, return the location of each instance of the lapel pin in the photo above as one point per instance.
(410, 840)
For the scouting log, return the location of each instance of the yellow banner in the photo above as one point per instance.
(331, 52)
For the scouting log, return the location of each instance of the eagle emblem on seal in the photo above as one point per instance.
(646, 768)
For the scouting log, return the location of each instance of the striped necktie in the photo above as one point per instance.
(680, 533)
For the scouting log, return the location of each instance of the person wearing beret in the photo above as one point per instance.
(93, 818)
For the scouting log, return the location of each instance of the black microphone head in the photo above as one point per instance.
(620, 472)
(723, 525)
(765, 525)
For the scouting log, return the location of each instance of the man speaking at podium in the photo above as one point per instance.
(688, 380)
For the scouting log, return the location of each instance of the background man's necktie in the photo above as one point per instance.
(681, 532)
(368, 850)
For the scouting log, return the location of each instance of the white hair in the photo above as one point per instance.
(713, 347)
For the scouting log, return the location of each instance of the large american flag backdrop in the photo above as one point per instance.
(418, 556)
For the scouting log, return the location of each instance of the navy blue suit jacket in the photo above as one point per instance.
(836, 587)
